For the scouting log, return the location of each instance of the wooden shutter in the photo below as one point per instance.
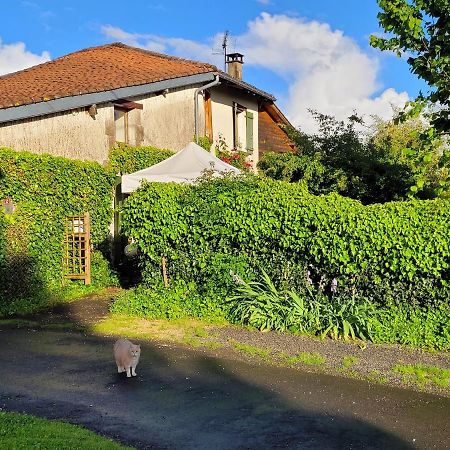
(249, 130)
(208, 116)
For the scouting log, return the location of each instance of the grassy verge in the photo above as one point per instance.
(193, 332)
(198, 333)
(23, 432)
(423, 375)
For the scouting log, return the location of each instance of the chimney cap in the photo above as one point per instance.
(235, 57)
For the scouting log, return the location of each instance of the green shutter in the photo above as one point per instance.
(249, 130)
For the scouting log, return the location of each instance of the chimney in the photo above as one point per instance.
(235, 61)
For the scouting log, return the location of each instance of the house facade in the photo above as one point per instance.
(82, 104)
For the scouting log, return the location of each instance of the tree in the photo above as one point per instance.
(421, 29)
(391, 161)
(339, 159)
(414, 144)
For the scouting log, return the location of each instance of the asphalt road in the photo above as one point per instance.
(183, 399)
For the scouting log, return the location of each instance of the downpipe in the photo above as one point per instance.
(216, 82)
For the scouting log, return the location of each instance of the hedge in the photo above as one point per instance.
(219, 228)
(45, 189)
(125, 159)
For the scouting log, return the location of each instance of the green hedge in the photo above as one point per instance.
(243, 225)
(45, 189)
(126, 159)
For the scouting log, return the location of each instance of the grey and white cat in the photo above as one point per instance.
(127, 356)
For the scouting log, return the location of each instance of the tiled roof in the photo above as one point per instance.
(91, 70)
(246, 86)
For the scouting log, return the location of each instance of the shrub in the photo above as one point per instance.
(416, 326)
(242, 224)
(392, 162)
(45, 189)
(126, 159)
(180, 300)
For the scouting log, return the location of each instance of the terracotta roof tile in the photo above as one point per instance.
(94, 69)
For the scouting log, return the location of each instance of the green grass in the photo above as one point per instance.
(310, 359)
(348, 361)
(421, 374)
(201, 332)
(23, 432)
(251, 350)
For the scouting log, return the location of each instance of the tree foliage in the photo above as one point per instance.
(421, 29)
(391, 161)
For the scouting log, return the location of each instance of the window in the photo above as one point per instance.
(121, 124)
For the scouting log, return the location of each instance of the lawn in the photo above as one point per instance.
(24, 432)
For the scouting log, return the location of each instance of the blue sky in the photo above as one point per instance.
(307, 53)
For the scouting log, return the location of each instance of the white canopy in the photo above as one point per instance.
(183, 167)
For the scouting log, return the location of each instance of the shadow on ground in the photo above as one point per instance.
(183, 399)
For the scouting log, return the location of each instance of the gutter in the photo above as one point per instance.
(216, 82)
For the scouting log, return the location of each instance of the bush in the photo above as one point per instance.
(45, 189)
(244, 224)
(126, 159)
(179, 301)
(392, 162)
(427, 327)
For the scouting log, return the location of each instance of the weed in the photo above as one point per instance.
(212, 345)
(311, 359)
(18, 323)
(376, 377)
(193, 342)
(348, 361)
(251, 350)
(421, 374)
(201, 332)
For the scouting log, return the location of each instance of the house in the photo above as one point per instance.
(81, 104)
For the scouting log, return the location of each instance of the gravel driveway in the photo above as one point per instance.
(184, 399)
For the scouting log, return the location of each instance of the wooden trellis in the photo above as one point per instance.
(77, 248)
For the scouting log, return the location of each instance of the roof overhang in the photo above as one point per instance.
(80, 101)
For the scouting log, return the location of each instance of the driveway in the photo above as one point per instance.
(183, 399)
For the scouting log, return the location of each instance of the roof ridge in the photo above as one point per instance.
(161, 55)
(112, 44)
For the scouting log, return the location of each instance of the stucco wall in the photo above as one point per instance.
(222, 117)
(168, 121)
(73, 134)
(165, 122)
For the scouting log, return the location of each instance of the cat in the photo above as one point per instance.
(127, 356)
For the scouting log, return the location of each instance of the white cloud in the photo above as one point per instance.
(175, 46)
(325, 70)
(14, 57)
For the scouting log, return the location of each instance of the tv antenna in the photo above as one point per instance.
(224, 49)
